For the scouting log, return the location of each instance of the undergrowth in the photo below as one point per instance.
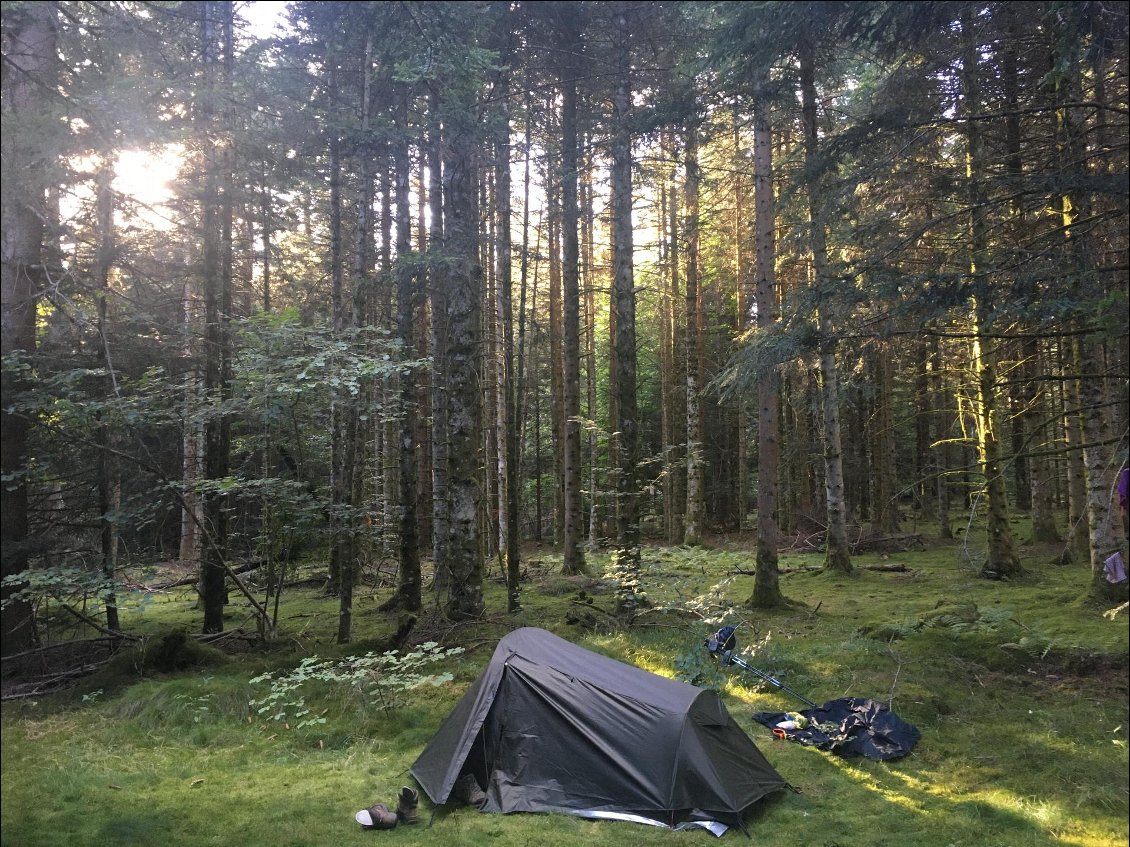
(1019, 690)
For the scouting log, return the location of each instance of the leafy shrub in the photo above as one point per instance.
(370, 679)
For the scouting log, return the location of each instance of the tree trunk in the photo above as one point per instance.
(667, 385)
(267, 228)
(941, 419)
(626, 563)
(556, 363)
(216, 30)
(341, 556)
(885, 516)
(676, 447)
(423, 380)
(573, 542)
(510, 398)
(109, 468)
(1041, 476)
(696, 500)
(492, 500)
(437, 286)
(766, 586)
(1077, 533)
(1002, 561)
(408, 588)
(596, 507)
(838, 555)
(741, 324)
(192, 434)
(29, 36)
(463, 354)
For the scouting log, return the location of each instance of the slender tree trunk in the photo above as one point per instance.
(696, 499)
(885, 517)
(519, 394)
(573, 542)
(1104, 533)
(437, 287)
(557, 361)
(493, 495)
(626, 563)
(265, 204)
(941, 419)
(588, 271)
(535, 385)
(423, 380)
(1002, 561)
(741, 323)
(510, 399)
(766, 586)
(341, 553)
(838, 555)
(408, 588)
(109, 468)
(192, 434)
(677, 307)
(1077, 531)
(29, 37)
(924, 492)
(216, 33)
(667, 366)
(1041, 475)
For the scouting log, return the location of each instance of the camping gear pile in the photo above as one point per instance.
(848, 726)
(552, 727)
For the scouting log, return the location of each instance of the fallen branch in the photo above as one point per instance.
(899, 568)
(213, 637)
(195, 578)
(57, 646)
(89, 621)
(41, 686)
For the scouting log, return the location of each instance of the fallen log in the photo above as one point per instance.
(195, 578)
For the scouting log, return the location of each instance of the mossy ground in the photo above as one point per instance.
(1019, 688)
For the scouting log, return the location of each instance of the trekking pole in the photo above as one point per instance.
(731, 659)
(724, 643)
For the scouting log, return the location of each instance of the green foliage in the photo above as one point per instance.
(369, 679)
(991, 636)
(623, 574)
(189, 747)
(63, 583)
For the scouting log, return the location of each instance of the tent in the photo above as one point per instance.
(552, 727)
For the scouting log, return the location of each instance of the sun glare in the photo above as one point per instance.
(146, 176)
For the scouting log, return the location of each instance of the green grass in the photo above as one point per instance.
(1021, 745)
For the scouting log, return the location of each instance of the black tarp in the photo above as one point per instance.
(552, 727)
(850, 726)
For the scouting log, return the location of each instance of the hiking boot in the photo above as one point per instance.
(467, 791)
(377, 816)
(407, 802)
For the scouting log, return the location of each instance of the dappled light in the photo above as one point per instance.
(769, 357)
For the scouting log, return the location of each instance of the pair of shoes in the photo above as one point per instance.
(378, 816)
(467, 791)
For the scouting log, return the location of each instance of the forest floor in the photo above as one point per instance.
(1019, 689)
